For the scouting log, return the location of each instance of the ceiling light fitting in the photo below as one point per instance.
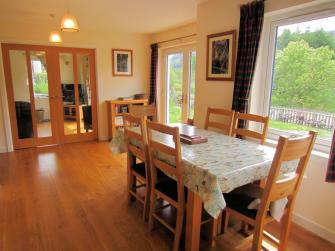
(69, 23)
(55, 37)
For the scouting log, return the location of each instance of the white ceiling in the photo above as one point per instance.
(140, 16)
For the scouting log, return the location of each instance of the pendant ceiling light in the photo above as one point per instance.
(69, 23)
(55, 36)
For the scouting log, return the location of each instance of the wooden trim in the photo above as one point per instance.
(131, 63)
(31, 93)
(233, 61)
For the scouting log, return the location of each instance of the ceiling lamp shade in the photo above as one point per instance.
(69, 23)
(55, 37)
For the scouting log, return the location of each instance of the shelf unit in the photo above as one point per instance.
(113, 115)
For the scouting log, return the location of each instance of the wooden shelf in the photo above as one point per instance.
(112, 112)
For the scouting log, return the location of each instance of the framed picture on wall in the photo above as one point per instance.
(221, 53)
(122, 62)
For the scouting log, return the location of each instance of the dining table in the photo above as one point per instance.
(213, 168)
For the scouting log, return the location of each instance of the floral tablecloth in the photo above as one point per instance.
(218, 166)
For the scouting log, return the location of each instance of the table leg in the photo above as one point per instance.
(193, 221)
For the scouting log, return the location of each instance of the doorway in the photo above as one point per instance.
(179, 85)
(51, 94)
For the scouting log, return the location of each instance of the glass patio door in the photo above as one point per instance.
(30, 95)
(179, 84)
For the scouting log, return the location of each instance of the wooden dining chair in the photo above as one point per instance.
(226, 127)
(144, 111)
(261, 136)
(138, 170)
(169, 190)
(190, 121)
(277, 187)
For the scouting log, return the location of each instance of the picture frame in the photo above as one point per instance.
(122, 62)
(221, 56)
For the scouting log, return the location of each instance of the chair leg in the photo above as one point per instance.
(178, 230)
(131, 180)
(152, 210)
(245, 227)
(258, 237)
(214, 231)
(146, 206)
(220, 219)
(285, 229)
(226, 221)
(131, 185)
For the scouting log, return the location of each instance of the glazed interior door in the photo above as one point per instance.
(51, 94)
(30, 90)
(76, 85)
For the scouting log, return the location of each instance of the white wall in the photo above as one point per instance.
(109, 87)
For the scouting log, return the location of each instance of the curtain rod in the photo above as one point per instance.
(177, 38)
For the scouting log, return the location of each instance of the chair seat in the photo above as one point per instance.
(240, 198)
(139, 168)
(168, 187)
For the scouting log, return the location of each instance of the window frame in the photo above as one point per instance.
(273, 23)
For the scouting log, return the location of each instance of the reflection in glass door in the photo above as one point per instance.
(70, 99)
(41, 93)
(84, 86)
(76, 68)
(21, 94)
(179, 84)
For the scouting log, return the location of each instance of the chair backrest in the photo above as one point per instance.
(227, 127)
(135, 136)
(190, 121)
(172, 151)
(144, 111)
(247, 132)
(288, 149)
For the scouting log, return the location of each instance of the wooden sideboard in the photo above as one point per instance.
(114, 114)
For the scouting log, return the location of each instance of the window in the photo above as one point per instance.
(302, 95)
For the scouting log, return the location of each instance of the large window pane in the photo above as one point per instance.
(304, 78)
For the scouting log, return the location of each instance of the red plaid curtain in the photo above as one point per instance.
(251, 24)
(153, 73)
(330, 176)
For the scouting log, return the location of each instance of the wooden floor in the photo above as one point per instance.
(73, 197)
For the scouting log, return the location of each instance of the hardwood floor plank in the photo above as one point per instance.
(73, 197)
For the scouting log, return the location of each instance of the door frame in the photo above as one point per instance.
(186, 50)
(87, 136)
(52, 59)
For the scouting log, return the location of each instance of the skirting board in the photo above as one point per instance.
(3, 149)
(315, 228)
